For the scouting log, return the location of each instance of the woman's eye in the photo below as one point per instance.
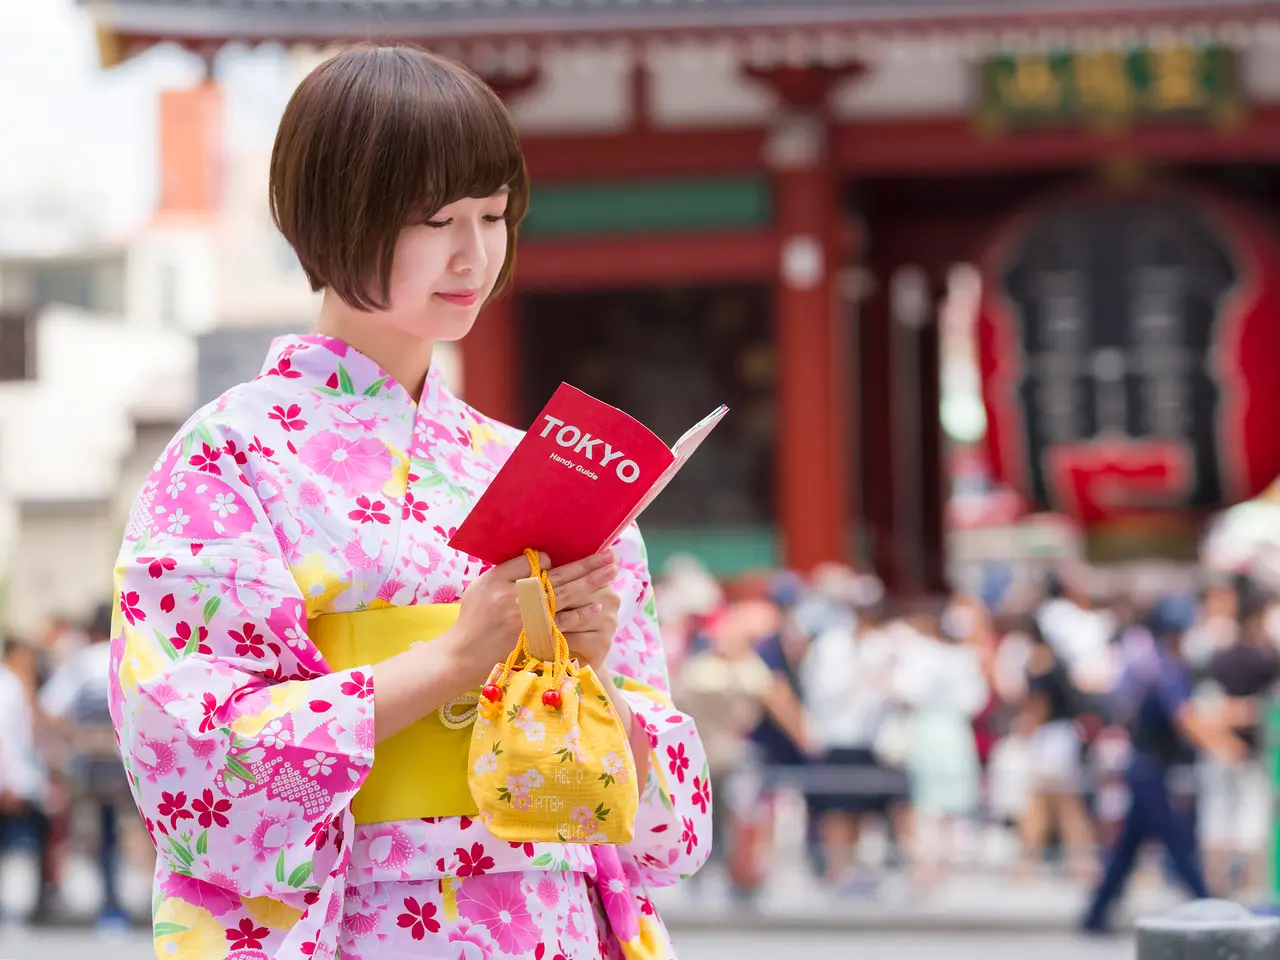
(439, 223)
(496, 218)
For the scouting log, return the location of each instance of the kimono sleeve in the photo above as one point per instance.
(673, 824)
(243, 749)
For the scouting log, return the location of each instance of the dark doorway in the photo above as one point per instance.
(669, 356)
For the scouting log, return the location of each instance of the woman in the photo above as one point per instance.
(848, 681)
(727, 689)
(324, 492)
(940, 679)
(1048, 717)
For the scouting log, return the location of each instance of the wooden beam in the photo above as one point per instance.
(637, 154)
(639, 261)
(953, 145)
(936, 145)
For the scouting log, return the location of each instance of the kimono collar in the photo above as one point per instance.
(334, 367)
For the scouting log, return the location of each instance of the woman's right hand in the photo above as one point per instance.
(489, 620)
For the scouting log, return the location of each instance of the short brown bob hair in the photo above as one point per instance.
(376, 139)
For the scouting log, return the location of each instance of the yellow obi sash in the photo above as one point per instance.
(422, 770)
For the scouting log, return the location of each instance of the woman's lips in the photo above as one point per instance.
(461, 298)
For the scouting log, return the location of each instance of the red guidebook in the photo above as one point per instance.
(582, 473)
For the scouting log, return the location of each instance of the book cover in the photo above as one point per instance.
(582, 472)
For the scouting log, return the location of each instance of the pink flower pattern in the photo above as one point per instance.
(355, 465)
(210, 588)
(502, 908)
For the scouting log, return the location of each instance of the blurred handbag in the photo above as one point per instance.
(550, 760)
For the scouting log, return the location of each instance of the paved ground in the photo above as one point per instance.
(981, 898)
(981, 901)
(18, 945)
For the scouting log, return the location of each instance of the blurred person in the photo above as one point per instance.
(1079, 631)
(1009, 766)
(24, 783)
(834, 591)
(784, 738)
(1047, 718)
(967, 618)
(726, 689)
(1235, 799)
(1166, 729)
(941, 681)
(76, 698)
(1216, 627)
(686, 595)
(301, 509)
(63, 639)
(847, 682)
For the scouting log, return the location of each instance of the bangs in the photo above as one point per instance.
(380, 138)
(463, 144)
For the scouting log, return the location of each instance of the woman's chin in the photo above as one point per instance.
(449, 328)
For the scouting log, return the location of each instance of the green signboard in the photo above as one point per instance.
(578, 209)
(1110, 88)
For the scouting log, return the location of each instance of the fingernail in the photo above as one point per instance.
(596, 609)
(604, 557)
(605, 574)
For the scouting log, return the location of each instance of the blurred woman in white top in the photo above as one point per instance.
(941, 681)
(847, 679)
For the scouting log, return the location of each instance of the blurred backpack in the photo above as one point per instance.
(95, 766)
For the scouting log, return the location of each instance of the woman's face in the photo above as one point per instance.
(446, 267)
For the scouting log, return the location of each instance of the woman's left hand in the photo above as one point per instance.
(587, 606)
(591, 625)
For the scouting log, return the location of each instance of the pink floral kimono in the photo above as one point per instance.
(321, 487)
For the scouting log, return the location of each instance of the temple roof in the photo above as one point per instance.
(325, 17)
(205, 22)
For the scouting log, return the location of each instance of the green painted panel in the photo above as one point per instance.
(647, 206)
(725, 550)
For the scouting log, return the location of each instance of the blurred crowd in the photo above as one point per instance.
(962, 735)
(63, 790)
(927, 739)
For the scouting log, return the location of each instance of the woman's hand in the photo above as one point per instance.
(488, 621)
(587, 607)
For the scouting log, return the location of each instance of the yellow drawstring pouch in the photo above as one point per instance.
(550, 760)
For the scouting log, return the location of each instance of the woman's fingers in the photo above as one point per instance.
(578, 618)
(563, 576)
(580, 592)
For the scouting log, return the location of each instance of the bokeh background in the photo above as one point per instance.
(990, 287)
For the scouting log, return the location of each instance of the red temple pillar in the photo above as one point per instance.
(490, 361)
(811, 328)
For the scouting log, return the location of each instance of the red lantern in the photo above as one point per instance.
(1129, 344)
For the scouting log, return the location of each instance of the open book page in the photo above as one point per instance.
(697, 433)
(683, 450)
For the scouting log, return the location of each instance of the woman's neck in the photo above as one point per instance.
(406, 358)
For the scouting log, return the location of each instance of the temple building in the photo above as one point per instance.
(765, 202)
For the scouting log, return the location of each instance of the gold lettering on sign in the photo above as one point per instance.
(1175, 80)
(1033, 85)
(1102, 83)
